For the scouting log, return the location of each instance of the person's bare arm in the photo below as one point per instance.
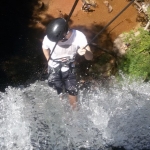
(46, 53)
(86, 52)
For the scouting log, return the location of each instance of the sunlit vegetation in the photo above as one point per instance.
(148, 13)
(136, 61)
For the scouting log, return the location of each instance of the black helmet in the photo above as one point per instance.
(57, 29)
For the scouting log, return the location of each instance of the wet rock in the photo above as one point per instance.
(119, 46)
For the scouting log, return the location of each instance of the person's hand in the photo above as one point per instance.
(81, 51)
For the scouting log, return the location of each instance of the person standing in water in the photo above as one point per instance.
(61, 59)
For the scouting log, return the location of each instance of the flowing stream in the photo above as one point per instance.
(110, 114)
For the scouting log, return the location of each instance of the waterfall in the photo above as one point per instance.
(110, 114)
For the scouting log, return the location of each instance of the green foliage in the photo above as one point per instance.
(148, 12)
(136, 62)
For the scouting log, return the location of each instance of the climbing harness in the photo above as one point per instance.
(62, 62)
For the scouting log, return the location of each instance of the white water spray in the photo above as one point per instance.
(114, 114)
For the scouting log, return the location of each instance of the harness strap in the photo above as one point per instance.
(70, 65)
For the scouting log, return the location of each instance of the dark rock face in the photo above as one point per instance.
(18, 42)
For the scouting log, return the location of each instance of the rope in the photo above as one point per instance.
(72, 10)
(110, 23)
(105, 50)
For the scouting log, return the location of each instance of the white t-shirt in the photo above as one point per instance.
(65, 49)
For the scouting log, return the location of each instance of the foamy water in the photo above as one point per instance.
(112, 114)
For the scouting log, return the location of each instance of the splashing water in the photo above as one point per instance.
(114, 114)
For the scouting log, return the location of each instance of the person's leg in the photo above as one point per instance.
(71, 87)
(72, 101)
(55, 81)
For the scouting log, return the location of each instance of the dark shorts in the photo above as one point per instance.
(63, 80)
